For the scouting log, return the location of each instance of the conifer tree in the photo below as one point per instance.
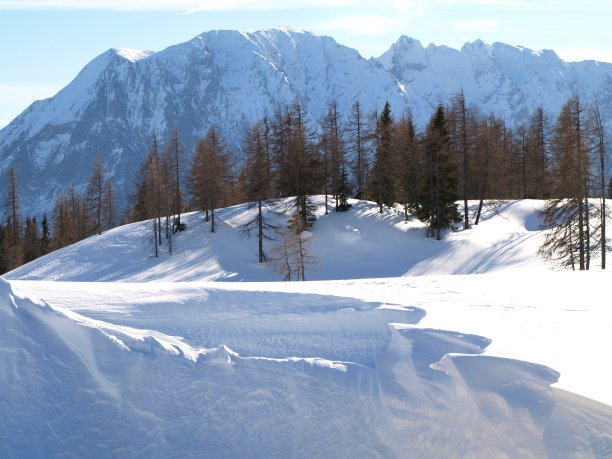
(436, 203)
(45, 239)
(381, 181)
(31, 247)
(407, 178)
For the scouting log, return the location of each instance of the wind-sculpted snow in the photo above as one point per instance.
(105, 382)
(231, 79)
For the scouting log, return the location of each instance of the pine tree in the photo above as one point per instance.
(31, 247)
(381, 182)
(407, 178)
(45, 239)
(436, 203)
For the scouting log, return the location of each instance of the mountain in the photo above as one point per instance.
(508, 81)
(230, 79)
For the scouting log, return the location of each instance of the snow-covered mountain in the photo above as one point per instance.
(230, 79)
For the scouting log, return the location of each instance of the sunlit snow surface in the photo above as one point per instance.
(399, 359)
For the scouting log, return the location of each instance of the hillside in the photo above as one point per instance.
(106, 351)
(360, 243)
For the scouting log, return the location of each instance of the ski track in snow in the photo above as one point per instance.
(426, 366)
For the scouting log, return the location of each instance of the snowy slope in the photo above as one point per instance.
(360, 243)
(479, 365)
(230, 79)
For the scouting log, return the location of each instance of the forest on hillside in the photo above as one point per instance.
(460, 155)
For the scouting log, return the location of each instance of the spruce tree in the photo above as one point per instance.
(381, 182)
(436, 203)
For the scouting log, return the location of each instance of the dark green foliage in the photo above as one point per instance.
(436, 202)
(381, 184)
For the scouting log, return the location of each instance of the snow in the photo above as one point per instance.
(133, 55)
(403, 346)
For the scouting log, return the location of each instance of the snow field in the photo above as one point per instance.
(166, 363)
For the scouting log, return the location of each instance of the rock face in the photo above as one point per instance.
(231, 79)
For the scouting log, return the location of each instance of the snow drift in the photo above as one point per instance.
(167, 363)
(84, 386)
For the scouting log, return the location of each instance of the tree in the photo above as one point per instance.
(290, 255)
(567, 215)
(148, 199)
(45, 239)
(599, 145)
(258, 183)
(333, 149)
(436, 203)
(94, 198)
(109, 206)
(31, 247)
(407, 178)
(358, 139)
(538, 148)
(174, 154)
(297, 163)
(12, 250)
(210, 171)
(381, 183)
(462, 127)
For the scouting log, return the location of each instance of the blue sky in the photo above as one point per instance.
(44, 43)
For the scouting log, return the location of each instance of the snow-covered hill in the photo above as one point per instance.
(230, 79)
(433, 365)
(358, 244)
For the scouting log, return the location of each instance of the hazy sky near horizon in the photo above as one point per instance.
(45, 43)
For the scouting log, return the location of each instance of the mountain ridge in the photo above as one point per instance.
(231, 78)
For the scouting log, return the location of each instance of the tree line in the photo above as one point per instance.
(460, 155)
